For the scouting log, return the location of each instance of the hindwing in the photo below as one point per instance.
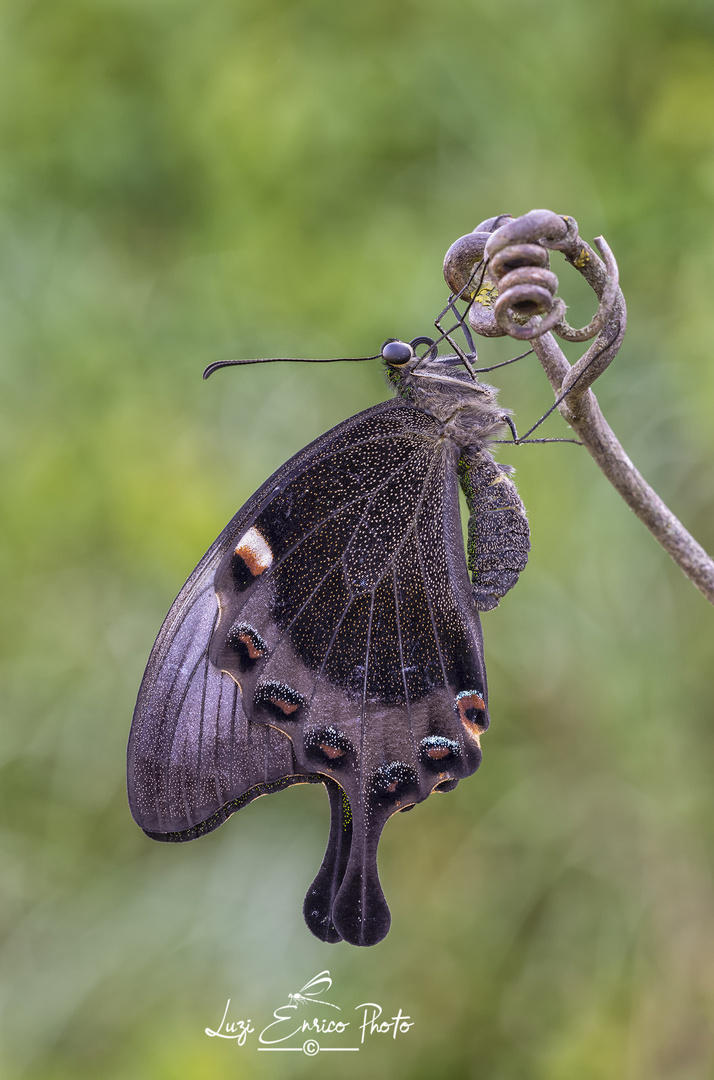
(194, 758)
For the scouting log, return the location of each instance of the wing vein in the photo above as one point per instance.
(179, 710)
(334, 565)
(401, 654)
(430, 610)
(221, 681)
(360, 775)
(331, 517)
(233, 729)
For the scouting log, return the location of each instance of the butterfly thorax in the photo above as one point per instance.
(468, 411)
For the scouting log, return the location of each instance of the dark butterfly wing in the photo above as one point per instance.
(194, 758)
(347, 618)
(320, 897)
(192, 750)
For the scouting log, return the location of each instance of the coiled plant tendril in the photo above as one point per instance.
(518, 286)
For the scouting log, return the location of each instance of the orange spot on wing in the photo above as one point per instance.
(287, 707)
(253, 651)
(332, 752)
(466, 703)
(438, 752)
(472, 701)
(473, 729)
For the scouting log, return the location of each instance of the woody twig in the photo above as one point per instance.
(502, 270)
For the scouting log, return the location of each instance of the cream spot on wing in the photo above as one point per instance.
(255, 552)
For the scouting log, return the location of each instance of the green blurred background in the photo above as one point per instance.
(183, 182)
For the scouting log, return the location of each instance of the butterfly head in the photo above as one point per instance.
(421, 354)
(418, 365)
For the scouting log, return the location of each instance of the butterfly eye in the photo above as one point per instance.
(437, 751)
(397, 353)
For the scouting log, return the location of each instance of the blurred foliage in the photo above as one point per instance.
(183, 182)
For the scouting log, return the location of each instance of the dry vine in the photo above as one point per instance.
(502, 269)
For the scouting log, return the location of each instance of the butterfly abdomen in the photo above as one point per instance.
(498, 534)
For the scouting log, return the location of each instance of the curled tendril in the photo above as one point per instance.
(607, 300)
(517, 284)
(509, 255)
(519, 265)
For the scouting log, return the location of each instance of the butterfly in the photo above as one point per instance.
(331, 633)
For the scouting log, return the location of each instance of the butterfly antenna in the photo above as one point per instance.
(461, 324)
(287, 360)
(562, 396)
(505, 363)
(444, 334)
